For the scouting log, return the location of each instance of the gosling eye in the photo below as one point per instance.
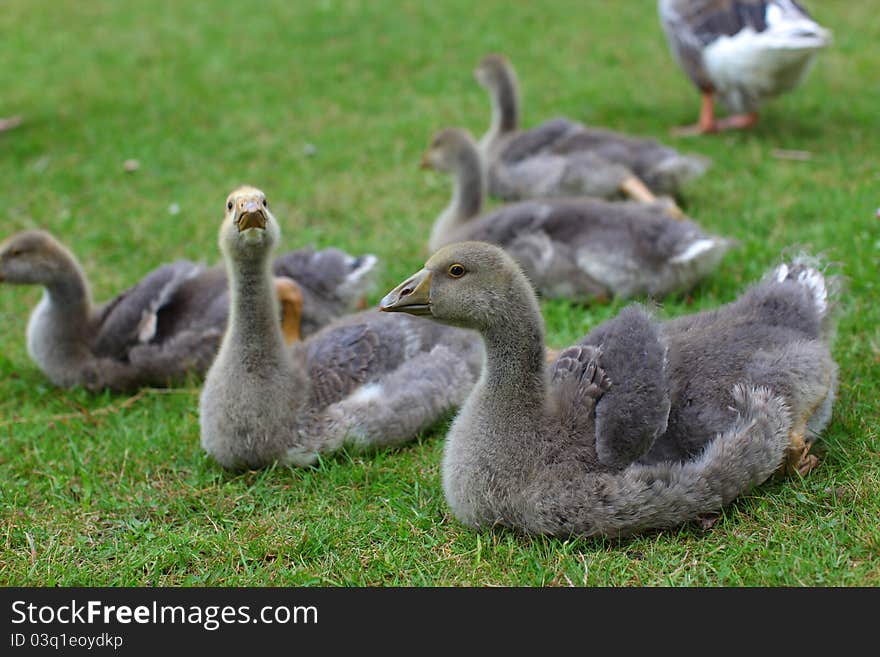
(456, 270)
(265, 203)
(229, 205)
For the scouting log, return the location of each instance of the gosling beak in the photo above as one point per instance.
(413, 296)
(251, 215)
(425, 162)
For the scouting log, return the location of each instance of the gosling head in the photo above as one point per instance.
(249, 229)
(34, 257)
(468, 284)
(448, 150)
(493, 71)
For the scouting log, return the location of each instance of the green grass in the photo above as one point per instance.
(98, 490)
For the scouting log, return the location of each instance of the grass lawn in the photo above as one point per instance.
(327, 106)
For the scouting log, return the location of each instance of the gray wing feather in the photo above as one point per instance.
(644, 230)
(635, 409)
(530, 142)
(342, 359)
(332, 282)
(132, 317)
(361, 348)
(639, 497)
(559, 219)
(641, 155)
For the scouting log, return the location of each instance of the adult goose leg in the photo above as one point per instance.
(708, 124)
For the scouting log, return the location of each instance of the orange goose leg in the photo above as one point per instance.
(708, 124)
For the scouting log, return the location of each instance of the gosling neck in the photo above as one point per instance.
(68, 297)
(468, 192)
(514, 374)
(254, 331)
(60, 328)
(504, 96)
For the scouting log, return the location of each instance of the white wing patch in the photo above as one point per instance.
(695, 250)
(750, 67)
(147, 326)
(810, 278)
(781, 272)
(815, 283)
(367, 393)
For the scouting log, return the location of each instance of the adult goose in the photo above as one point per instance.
(365, 381)
(168, 325)
(578, 248)
(742, 52)
(642, 424)
(561, 157)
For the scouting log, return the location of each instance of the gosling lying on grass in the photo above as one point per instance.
(584, 249)
(642, 424)
(168, 325)
(562, 157)
(365, 381)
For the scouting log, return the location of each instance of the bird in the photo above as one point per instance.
(169, 325)
(362, 382)
(583, 249)
(642, 424)
(562, 157)
(742, 52)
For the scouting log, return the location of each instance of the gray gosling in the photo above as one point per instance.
(169, 325)
(584, 249)
(561, 157)
(642, 424)
(364, 382)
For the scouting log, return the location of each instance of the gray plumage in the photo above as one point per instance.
(333, 282)
(562, 157)
(577, 248)
(165, 327)
(744, 51)
(642, 424)
(365, 381)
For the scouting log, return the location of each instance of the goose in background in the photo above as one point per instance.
(561, 157)
(584, 249)
(168, 325)
(742, 52)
